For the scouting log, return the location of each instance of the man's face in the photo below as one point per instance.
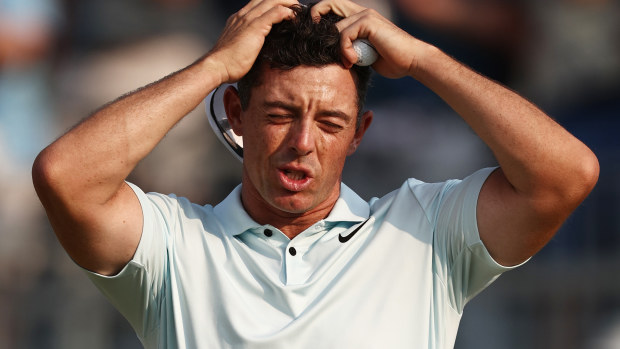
(297, 130)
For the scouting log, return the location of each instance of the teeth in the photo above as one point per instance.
(295, 175)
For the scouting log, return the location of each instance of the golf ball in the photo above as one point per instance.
(366, 53)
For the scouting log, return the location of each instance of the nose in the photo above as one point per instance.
(301, 138)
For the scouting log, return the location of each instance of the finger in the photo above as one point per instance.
(249, 6)
(343, 8)
(352, 28)
(266, 13)
(275, 15)
(349, 56)
(256, 8)
(245, 9)
(243, 38)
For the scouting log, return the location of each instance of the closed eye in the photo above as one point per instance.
(279, 118)
(331, 127)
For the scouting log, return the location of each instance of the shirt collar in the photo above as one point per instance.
(348, 208)
(232, 215)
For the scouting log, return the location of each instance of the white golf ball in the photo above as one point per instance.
(366, 53)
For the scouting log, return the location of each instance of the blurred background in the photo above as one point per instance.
(62, 59)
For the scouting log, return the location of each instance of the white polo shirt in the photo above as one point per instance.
(394, 272)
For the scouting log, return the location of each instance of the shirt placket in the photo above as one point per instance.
(297, 269)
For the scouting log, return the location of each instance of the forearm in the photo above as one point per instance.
(545, 171)
(80, 177)
(94, 158)
(535, 153)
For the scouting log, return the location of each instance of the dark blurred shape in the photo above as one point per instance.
(485, 34)
(27, 36)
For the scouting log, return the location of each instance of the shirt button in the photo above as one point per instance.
(292, 251)
(268, 233)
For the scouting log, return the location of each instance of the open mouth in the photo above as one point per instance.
(295, 175)
(294, 180)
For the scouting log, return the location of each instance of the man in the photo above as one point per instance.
(293, 258)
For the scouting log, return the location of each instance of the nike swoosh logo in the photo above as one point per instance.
(344, 239)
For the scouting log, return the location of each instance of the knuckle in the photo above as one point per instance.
(369, 13)
(236, 18)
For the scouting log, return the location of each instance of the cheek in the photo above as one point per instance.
(336, 153)
(261, 140)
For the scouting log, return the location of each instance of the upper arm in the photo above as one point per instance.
(99, 237)
(514, 226)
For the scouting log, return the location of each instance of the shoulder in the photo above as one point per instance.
(428, 197)
(424, 191)
(169, 207)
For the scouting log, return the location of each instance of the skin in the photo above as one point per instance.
(80, 178)
(545, 172)
(297, 131)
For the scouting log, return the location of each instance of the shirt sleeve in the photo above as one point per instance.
(461, 259)
(137, 290)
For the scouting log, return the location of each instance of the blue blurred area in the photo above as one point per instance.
(561, 54)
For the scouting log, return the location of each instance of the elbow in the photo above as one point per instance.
(588, 173)
(46, 175)
(582, 179)
(563, 188)
(42, 173)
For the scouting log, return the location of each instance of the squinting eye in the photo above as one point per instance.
(279, 117)
(331, 127)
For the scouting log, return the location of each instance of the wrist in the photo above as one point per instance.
(423, 62)
(213, 70)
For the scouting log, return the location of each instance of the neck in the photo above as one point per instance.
(289, 223)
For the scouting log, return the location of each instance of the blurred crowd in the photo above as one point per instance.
(62, 59)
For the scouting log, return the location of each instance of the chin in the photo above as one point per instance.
(291, 205)
(294, 202)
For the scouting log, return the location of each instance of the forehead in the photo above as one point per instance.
(331, 84)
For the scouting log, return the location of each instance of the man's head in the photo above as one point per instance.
(300, 122)
(302, 41)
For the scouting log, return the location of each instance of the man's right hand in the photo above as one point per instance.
(242, 39)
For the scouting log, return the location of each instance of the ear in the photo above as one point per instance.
(232, 105)
(361, 130)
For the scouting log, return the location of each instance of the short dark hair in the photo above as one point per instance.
(302, 41)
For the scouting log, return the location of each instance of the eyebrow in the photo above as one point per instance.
(297, 110)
